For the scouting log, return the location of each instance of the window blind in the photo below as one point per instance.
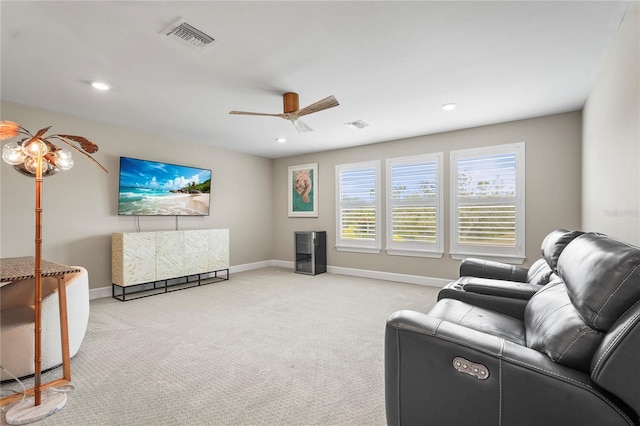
(357, 199)
(486, 195)
(414, 192)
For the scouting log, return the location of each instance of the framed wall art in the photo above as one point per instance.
(303, 190)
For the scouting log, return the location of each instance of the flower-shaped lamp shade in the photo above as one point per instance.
(63, 159)
(23, 154)
(35, 147)
(12, 153)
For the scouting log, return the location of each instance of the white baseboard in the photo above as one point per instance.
(390, 276)
(100, 292)
(250, 266)
(97, 293)
(282, 264)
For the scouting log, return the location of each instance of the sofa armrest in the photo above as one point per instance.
(480, 268)
(512, 289)
(419, 384)
(507, 297)
(523, 387)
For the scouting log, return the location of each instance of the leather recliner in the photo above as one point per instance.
(491, 284)
(570, 358)
(538, 273)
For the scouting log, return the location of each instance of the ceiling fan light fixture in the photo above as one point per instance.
(449, 106)
(301, 126)
(358, 124)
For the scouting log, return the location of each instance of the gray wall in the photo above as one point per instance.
(80, 205)
(570, 182)
(611, 140)
(553, 152)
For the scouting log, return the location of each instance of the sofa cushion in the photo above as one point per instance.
(479, 319)
(602, 276)
(554, 327)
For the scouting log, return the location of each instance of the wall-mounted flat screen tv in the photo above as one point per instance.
(151, 188)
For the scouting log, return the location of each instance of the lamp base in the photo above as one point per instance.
(26, 412)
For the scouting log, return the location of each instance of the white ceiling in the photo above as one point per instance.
(390, 63)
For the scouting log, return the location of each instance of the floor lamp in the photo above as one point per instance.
(38, 156)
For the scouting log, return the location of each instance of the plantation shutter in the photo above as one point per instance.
(413, 211)
(358, 204)
(413, 205)
(486, 200)
(489, 201)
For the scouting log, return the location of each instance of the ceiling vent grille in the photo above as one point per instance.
(358, 124)
(188, 35)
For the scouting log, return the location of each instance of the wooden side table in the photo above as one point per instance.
(23, 268)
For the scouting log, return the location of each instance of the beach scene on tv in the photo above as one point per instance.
(150, 188)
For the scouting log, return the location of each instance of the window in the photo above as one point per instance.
(487, 202)
(414, 224)
(358, 207)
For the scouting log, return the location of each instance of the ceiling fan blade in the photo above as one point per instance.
(301, 126)
(321, 105)
(255, 113)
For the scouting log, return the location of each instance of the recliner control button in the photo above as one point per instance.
(478, 371)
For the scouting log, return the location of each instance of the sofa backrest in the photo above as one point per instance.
(598, 281)
(554, 243)
(540, 271)
(554, 327)
(602, 276)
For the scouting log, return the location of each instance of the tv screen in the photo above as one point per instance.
(151, 188)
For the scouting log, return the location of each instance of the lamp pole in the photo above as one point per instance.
(38, 282)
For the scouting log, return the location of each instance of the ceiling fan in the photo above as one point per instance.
(292, 112)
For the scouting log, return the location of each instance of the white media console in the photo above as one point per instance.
(141, 261)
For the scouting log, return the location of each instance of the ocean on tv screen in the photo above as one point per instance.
(150, 188)
(152, 202)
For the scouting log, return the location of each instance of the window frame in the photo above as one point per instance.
(361, 246)
(416, 249)
(516, 254)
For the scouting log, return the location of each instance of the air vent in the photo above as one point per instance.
(188, 35)
(358, 124)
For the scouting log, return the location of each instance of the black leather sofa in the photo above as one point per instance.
(569, 358)
(506, 287)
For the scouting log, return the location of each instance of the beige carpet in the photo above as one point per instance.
(267, 347)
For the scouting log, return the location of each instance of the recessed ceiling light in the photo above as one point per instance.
(448, 107)
(99, 85)
(281, 140)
